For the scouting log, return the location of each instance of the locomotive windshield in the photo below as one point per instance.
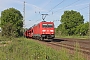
(47, 25)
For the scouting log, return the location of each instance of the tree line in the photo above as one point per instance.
(11, 23)
(72, 23)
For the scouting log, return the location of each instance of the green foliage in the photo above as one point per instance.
(64, 54)
(82, 29)
(23, 49)
(0, 21)
(3, 42)
(77, 54)
(69, 21)
(11, 22)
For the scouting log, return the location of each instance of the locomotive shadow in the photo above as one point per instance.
(54, 40)
(46, 40)
(58, 40)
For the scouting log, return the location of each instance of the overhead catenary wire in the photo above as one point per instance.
(60, 9)
(44, 7)
(35, 11)
(75, 5)
(67, 6)
(43, 15)
(56, 6)
(83, 8)
(47, 3)
(63, 7)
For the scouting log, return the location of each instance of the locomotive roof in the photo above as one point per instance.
(45, 21)
(40, 22)
(30, 27)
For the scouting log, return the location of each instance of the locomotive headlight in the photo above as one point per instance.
(51, 30)
(43, 30)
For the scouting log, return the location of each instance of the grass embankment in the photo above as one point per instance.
(76, 37)
(26, 49)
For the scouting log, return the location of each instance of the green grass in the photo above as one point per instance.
(3, 42)
(26, 49)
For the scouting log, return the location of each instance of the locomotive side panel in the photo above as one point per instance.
(36, 31)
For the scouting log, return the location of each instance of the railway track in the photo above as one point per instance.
(71, 44)
(82, 46)
(72, 47)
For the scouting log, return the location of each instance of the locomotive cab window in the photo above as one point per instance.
(47, 25)
(44, 25)
(50, 25)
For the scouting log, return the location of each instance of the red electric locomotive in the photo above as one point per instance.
(41, 31)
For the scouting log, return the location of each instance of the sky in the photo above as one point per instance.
(54, 8)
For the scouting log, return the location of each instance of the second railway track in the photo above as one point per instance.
(72, 47)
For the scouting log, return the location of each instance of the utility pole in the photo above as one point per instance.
(89, 21)
(44, 16)
(24, 18)
(0, 27)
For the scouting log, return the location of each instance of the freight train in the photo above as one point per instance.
(41, 31)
